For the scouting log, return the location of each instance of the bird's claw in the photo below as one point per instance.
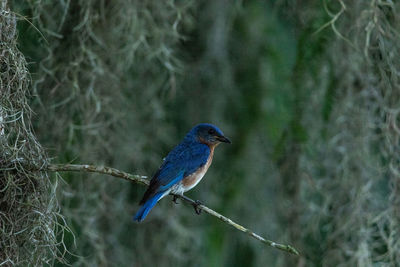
(174, 199)
(196, 206)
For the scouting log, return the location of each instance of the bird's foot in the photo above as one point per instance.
(174, 199)
(196, 206)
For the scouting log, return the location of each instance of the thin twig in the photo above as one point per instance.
(144, 181)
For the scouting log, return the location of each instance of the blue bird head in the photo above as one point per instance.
(208, 134)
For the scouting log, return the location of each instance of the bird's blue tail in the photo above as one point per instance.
(145, 209)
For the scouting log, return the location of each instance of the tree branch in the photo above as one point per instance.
(144, 181)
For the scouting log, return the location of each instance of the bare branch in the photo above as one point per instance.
(144, 181)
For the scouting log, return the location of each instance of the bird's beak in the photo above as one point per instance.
(223, 139)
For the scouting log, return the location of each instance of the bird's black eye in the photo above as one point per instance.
(211, 131)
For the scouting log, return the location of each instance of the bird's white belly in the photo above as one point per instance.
(188, 182)
(193, 179)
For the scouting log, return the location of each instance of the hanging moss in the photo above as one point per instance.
(29, 218)
(308, 93)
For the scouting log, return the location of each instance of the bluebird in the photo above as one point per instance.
(184, 166)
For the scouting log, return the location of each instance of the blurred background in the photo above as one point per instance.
(308, 92)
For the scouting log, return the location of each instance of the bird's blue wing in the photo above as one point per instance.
(182, 161)
(186, 157)
(169, 176)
